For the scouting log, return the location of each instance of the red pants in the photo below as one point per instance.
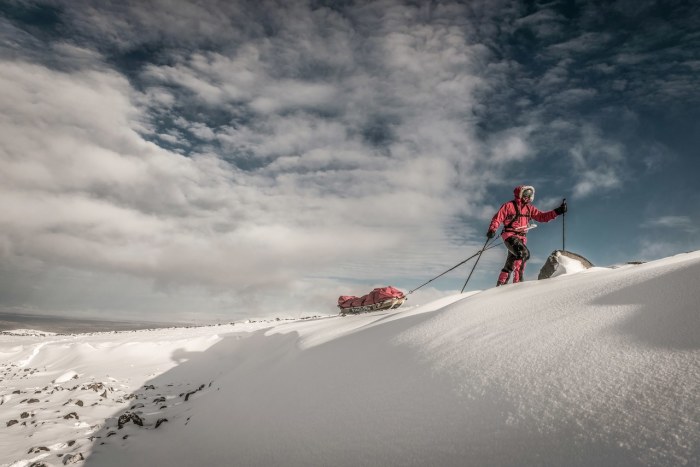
(518, 254)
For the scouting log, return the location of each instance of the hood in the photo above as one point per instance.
(518, 191)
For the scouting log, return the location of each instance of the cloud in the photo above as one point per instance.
(588, 42)
(679, 223)
(592, 182)
(511, 145)
(545, 23)
(278, 177)
(598, 163)
(253, 149)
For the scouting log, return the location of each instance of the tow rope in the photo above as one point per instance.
(487, 246)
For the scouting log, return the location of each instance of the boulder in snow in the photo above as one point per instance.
(129, 417)
(563, 262)
(73, 458)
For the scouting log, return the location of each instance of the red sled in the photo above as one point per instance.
(383, 298)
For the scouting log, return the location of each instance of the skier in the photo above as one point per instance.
(515, 216)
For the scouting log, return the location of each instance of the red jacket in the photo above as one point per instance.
(507, 213)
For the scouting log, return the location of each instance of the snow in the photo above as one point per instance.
(593, 367)
(65, 377)
(566, 265)
(27, 332)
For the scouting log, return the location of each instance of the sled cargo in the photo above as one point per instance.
(383, 298)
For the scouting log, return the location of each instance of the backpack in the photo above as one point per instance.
(518, 214)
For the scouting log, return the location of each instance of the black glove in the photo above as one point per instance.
(491, 234)
(561, 209)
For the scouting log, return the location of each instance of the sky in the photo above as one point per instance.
(230, 159)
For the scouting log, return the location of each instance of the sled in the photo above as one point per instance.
(385, 305)
(384, 298)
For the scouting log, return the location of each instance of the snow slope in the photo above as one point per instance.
(599, 367)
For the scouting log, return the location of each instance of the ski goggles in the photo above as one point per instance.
(528, 193)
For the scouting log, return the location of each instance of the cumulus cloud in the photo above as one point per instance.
(297, 177)
(83, 190)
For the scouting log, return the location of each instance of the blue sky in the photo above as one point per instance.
(227, 159)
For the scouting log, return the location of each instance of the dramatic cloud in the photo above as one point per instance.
(303, 177)
(259, 151)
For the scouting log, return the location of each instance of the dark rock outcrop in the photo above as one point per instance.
(550, 266)
(129, 417)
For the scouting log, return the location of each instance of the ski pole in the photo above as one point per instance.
(475, 263)
(452, 268)
(563, 229)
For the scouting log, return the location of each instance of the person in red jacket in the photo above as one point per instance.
(515, 216)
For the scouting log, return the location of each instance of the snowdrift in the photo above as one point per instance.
(600, 367)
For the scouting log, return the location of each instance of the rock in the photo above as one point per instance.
(96, 387)
(12, 422)
(554, 265)
(187, 396)
(71, 415)
(73, 458)
(24, 415)
(33, 401)
(161, 421)
(127, 417)
(38, 449)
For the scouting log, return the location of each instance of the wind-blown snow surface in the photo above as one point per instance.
(601, 367)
